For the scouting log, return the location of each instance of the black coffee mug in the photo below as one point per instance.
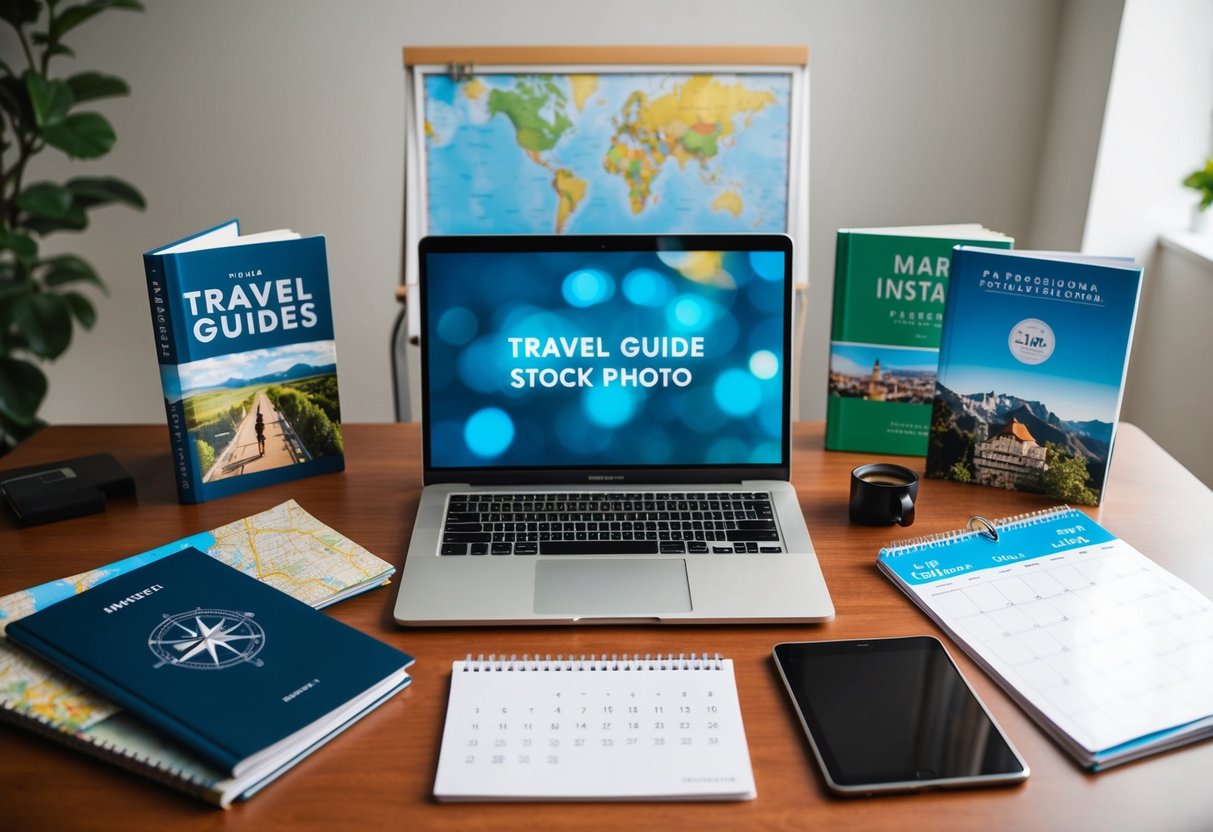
(883, 494)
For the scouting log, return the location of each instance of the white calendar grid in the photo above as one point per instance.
(640, 732)
(1105, 643)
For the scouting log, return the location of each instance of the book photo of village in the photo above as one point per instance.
(998, 439)
(262, 409)
(882, 373)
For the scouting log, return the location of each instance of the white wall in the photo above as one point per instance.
(1158, 127)
(289, 113)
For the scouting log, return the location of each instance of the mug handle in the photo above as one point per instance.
(907, 511)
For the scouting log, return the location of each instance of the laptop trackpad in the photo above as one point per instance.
(602, 587)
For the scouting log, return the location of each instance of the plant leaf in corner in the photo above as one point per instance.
(81, 308)
(46, 200)
(22, 388)
(68, 268)
(46, 322)
(87, 86)
(93, 191)
(51, 99)
(19, 12)
(82, 135)
(69, 19)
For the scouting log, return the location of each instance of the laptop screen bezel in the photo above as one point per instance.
(606, 474)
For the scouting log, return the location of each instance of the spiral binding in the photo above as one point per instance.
(627, 662)
(1002, 524)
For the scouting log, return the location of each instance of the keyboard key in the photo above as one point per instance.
(673, 547)
(751, 534)
(598, 547)
(502, 548)
(697, 547)
(774, 550)
(526, 548)
(466, 537)
(454, 549)
(480, 548)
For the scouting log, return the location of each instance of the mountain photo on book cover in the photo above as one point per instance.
(1031, 373)
(262, 409)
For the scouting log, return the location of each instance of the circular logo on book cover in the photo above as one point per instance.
(207, 639)
(1031, 341)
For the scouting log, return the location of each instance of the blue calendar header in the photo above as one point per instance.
(1028, 540)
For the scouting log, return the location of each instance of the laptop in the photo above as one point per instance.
(606, 434)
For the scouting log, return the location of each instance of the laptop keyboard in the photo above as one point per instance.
(613, 523)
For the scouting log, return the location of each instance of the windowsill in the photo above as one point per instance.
(1198, 247)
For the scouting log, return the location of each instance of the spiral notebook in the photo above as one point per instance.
(594, 728)
(1110, 653)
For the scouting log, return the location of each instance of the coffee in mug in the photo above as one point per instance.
(883, 494)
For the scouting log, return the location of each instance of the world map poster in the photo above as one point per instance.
(628, 152)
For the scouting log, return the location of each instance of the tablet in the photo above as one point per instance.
(894, 714)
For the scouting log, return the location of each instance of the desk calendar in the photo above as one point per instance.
(665, 728)
(1111, 654)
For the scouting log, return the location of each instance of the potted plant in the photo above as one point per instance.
(1201, 180)
(40, 304)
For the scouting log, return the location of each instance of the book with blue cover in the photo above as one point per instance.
(244, 337)
(242, 674)
(1032, 362)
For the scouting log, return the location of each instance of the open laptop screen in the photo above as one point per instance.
(584, 354)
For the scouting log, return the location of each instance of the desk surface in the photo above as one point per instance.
(380, 773)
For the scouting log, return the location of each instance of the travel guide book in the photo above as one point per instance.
(890, 285)
(284, 546)
(1031, 371)
(244, 338)
(243, 675)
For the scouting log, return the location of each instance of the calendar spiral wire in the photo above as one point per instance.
(939, 539)
(493, 663)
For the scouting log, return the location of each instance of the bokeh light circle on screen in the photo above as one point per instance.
(609, 407)
(737, 392)
(729, 450)
(457, 326)
(586, 287)
(481, 366)
(689, 313)
(764, 364)
(767, 264)
(645, 287)
(489, 432)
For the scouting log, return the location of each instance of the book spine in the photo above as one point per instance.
(626, 662)
(841, 274)
(163, 292)
(110, 752)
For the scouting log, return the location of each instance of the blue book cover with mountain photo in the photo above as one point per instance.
(1032, 361)
(244, 338)
(238, 671)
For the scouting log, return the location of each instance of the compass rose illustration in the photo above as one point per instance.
(207, 639)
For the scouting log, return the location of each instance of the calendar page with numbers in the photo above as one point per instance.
(1108, 651)
(631, 728)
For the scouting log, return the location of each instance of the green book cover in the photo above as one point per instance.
(890, 285)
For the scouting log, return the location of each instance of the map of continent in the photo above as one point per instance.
(284, 546)
(612, 152)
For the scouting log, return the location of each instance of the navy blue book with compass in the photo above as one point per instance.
(240, 672)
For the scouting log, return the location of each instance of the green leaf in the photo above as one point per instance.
(90, 85)
(46, 321)
(19, 12)
(81, 308)
(22, 389)
(52, 48)
(14, 98)
(69, 19)
(90, 192)
(82, 136)
(68, 268)
(76, 220)
(22, 245)
(46, 200)
(51, 99)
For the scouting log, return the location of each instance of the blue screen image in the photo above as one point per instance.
(605, 359)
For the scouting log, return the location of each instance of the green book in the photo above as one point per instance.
(889, 290)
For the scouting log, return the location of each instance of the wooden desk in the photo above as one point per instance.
(380, 773)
